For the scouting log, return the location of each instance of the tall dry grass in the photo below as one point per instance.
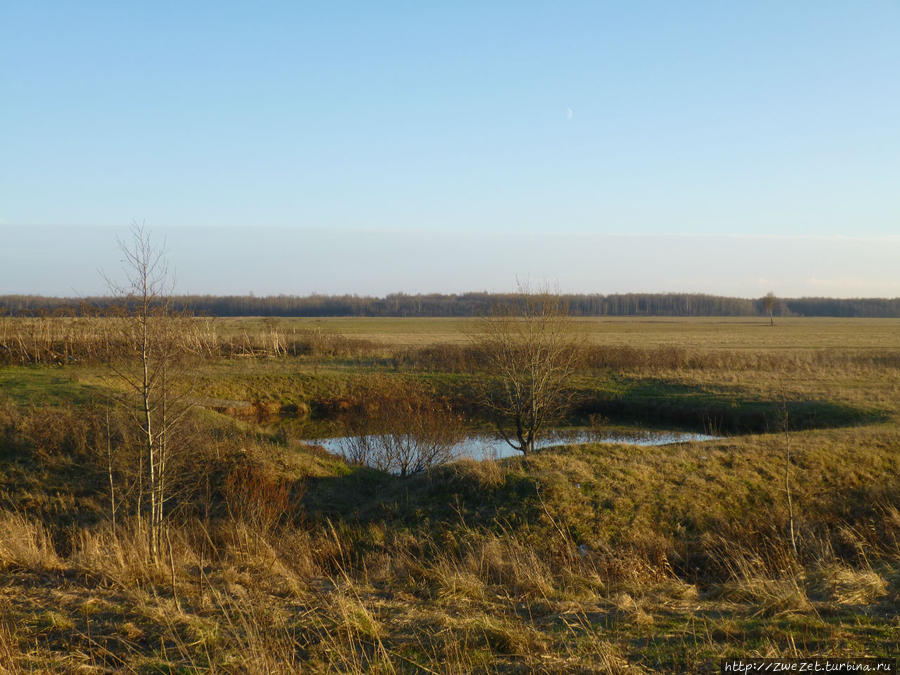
(25, 543)
(94, 340)
(354, 599)
(61, 340)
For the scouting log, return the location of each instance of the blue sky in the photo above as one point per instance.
(656, 119)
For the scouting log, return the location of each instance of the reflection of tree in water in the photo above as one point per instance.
(406, 430)
(481, 446)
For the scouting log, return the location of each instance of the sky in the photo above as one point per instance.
(289, 147)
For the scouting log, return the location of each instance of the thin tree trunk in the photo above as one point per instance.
(172, 568)
(112, 485)
(140, 494)
(153, 534)
(787, 489)
(787, 474)
(163, 448)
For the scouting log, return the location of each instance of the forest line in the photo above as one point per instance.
(462, 305)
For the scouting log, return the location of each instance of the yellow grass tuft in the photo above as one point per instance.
(10, 649)
(25, 543)
(847, 586)
(770, 597)
(505, 561)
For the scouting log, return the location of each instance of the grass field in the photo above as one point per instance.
(700, 333)
(281, 558)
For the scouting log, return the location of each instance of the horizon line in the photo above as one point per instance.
(497, 232)
(782, 298)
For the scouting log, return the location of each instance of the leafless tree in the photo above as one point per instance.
(532, 353)
(405, 430)
(147, 368)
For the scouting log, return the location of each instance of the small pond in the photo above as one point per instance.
(484, 446)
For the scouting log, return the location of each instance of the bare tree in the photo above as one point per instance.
(406, 430)
(532, 353)
(769, 303)
(146, 367)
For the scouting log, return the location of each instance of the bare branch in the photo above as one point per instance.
(532, 352)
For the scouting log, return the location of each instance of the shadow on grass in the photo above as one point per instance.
(459, 493)
(46, 486)
(716, 410)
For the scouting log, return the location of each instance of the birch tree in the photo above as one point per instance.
(146, 368)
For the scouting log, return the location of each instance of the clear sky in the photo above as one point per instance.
(631, 124)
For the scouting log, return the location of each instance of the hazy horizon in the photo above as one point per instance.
(71, 261)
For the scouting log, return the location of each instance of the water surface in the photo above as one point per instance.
(484, 446)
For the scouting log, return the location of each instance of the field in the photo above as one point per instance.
(279, 557)
(699, 333)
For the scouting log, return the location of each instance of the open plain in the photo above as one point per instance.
(278, 556)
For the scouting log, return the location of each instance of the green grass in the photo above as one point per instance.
(603, 558)
(50, 385)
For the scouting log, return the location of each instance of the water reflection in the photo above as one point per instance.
(483, 446)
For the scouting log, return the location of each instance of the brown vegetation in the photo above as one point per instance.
(279, 557)
(87, 341)
(560, 564)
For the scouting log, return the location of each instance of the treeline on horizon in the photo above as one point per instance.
(461, 305)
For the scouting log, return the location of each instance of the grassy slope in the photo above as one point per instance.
(603, 557)
(660, 557)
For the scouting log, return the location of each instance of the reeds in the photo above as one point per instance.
(95, 340)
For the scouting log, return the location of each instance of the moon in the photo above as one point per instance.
(569, 113)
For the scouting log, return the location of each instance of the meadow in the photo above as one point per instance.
(280, 557)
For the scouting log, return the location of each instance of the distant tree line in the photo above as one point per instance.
(462, 305)
(871, 307)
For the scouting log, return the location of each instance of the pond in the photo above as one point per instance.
(486, 446)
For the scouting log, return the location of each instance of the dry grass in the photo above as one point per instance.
(844, 585)
(10, 649)
(489, 604)
(701, 334)
(583, 559)
(25, 543)
(66, 340)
